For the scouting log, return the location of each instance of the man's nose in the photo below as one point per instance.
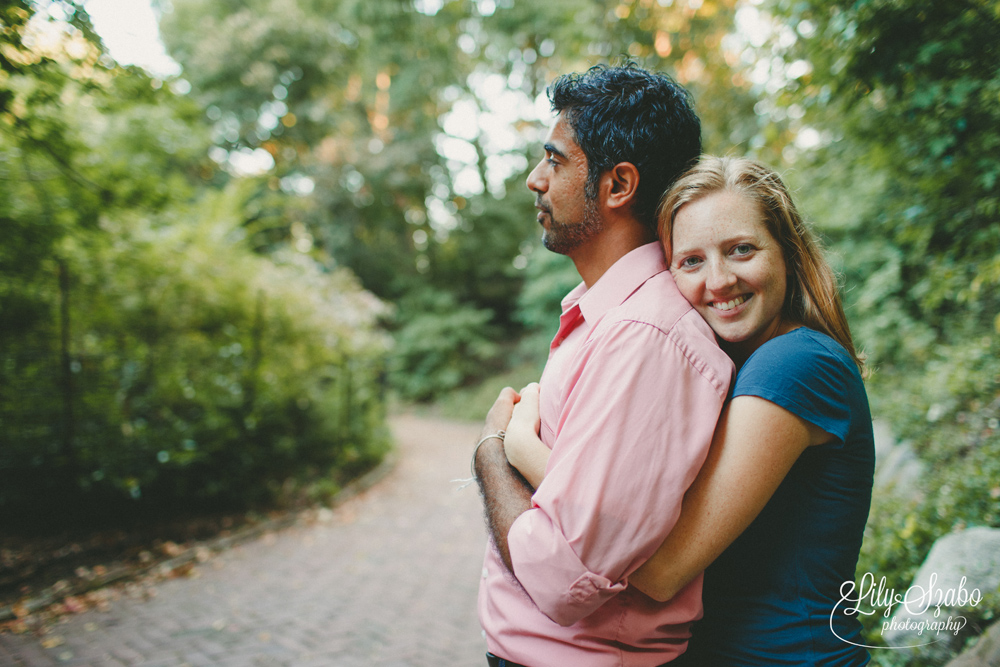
(535, 181)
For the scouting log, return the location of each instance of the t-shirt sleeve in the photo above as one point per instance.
(808, 374)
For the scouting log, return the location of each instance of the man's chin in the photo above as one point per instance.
(555, 244)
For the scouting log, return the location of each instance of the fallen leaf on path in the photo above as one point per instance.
(74, 605)
(171, 549)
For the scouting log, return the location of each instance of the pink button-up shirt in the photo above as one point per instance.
(630, 397)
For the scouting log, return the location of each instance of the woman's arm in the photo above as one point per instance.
(525, 450)
(755, 445)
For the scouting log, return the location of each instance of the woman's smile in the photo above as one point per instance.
(730, 305)
(726, 263)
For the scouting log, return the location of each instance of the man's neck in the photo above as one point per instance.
(594, 258)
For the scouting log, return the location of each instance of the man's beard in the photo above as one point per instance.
(564, 238)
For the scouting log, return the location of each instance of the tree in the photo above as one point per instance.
(411, 127)
(909, 90)
(148, 358)
(902, 174)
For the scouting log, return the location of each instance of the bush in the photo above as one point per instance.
(196, 373)
(440, 345)
(951, 414)
(549, 278)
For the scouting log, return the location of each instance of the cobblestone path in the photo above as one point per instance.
(389, 578)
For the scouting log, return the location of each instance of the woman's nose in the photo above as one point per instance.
(720, 277)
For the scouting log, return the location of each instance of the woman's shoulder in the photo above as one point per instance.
(802, 360)
(811, 375)
(800, 350)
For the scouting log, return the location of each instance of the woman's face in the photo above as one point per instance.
(727, 264)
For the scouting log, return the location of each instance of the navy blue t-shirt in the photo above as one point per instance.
(769, 597)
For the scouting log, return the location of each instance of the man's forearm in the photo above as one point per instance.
(506, 494)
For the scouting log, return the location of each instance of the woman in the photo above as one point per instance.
(777, 513)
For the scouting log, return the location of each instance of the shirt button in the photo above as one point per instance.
(485, 573)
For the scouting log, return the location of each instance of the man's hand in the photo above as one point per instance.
(499, 415)
(506, 495)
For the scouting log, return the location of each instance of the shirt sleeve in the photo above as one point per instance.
(809, 375)
(633, 432)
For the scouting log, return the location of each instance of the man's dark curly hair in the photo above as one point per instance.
(626, 114)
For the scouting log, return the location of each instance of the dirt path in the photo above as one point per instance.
(388, 578)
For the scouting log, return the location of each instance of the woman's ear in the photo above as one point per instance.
(622, 182)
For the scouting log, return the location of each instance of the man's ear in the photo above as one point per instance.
(622, 183)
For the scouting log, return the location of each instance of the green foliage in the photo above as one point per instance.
(336, 92)
(168, 332)
(149, 360)
(951, 415)
(268, 365)
(201, 373)
(903, 95)
(439, 344)
(549, 278)
(356, 96)
(472, 402)
(912, 89)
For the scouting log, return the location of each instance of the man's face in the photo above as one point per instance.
(568, 217)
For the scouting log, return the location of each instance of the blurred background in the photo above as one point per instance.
(226, 255)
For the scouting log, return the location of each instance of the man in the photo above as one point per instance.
(629, 398)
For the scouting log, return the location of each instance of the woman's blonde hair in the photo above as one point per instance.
(813, 295)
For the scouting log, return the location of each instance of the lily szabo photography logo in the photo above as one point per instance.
(921, 612)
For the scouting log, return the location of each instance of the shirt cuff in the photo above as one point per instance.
(552, 574)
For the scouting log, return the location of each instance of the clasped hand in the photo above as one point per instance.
(522, 444)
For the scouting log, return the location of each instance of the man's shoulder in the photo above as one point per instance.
(657, 311)
(656, 302)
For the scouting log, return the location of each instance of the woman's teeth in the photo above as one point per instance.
(728, 305)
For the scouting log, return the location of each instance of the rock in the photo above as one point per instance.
(960, 568)
(884, 440)
(986, 652)
(899, 468)
(896, 464)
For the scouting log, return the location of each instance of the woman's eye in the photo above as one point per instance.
(743, 249)
(689, 262)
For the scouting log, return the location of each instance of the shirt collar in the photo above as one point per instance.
(618, 282)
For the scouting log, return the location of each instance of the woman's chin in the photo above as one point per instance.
(727, 333)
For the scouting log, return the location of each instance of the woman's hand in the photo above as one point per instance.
(525, 450)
